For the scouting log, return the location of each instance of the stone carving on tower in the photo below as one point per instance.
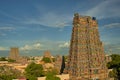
(86, 54)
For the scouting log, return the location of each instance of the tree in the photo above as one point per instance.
(46, 60)
(51, 76)
(11, 60)
(33, 71)
(31, 77)
(66, 58)
(112, 73)
(7, 77)
(115, 65)
(3, 59)
(63, 65)
(9, 73)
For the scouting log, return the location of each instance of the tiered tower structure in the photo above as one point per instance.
(86, 55)
(14, 53)
(47, 54)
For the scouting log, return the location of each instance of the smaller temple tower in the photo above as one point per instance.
(47, 54)
(14, 53)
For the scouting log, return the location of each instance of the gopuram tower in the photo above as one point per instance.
(86, 54)
(14, 53)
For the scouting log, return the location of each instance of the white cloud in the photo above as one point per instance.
(7, 28)
(106, 9)
(3, 48)
(36, 46)
(8, 15)
(26, 47)
(112, 25)
(64, 45)
(51, 20)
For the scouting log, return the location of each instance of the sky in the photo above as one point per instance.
(39, 25)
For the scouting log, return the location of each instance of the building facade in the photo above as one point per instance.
(47, 54)
(58, 63)
(86, 54)
(14, 53)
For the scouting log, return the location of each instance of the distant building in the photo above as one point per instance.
(47, 54)
(14, 53)
(58, 63)
(86, 55)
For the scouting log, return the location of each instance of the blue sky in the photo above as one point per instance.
(34, 25)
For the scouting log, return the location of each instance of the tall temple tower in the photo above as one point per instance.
(86, 55)
(14, 53)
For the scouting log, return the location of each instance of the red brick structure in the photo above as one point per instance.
(86, 55)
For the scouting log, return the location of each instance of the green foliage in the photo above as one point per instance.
(34, 70)
(3, 59)
(51, 76)
(54, 71)
(46, 60)
(9, 73)
(63, 65)
(115, 65)
(113, 73)
(11, 60)
(115, 61)
(57, 78)
(33, 58)
(7, 77)
(31, 77)
(66, 58)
